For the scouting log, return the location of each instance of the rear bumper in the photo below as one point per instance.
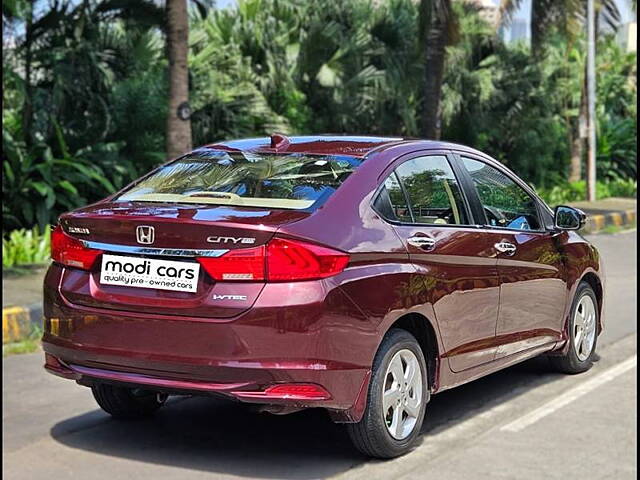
(307, 334)
(243, 391)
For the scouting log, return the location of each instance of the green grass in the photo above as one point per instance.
(28, 345)
(611, 229)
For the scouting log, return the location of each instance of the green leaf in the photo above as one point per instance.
(68, 186)
(42, 188)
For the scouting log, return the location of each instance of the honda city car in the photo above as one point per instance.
(360, 275)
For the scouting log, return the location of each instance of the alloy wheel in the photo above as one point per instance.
(402, 394)
(584, 328)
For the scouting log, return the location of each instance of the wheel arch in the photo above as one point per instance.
(423, 330)
(596, 285)
(591, 278)
(427, 336)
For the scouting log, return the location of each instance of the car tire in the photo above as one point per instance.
(372, 434)
(583, 333)
(127, 403)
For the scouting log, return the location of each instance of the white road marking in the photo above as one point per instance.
(569, 396)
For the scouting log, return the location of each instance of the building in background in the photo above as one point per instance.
(518, 30)
(489, 11)
(628, 36)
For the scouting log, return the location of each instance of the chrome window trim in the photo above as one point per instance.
(177, 252)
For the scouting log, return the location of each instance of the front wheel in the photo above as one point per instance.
(398, 394)
(583, 333)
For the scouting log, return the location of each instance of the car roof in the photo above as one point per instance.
(352, 145)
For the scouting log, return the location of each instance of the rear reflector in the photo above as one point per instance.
(297, 391)
(282, 260)
(71, 252)
(289, 391)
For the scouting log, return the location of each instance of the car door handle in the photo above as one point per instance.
(506, 247)
(421, 242)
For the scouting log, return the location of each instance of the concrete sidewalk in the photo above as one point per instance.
(21, 304)
(610, 211)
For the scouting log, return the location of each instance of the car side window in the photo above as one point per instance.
(433, 191)
(506, 204)
(391, 202)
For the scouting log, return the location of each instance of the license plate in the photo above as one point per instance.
(149, 273)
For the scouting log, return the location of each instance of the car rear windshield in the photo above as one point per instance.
(291, 181)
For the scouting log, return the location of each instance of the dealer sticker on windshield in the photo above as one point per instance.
(149, 273)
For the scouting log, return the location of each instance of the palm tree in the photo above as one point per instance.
(438, 26)
(178, 117)
(566, 17)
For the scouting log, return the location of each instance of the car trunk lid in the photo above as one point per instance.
(175, 233)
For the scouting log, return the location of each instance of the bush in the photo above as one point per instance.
(26, 247)
(623, 188)
(38, 186)
(577, 191)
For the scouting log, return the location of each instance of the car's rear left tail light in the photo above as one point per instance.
(71, 252)
(282, 260)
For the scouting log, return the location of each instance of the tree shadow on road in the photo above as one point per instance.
(221, 437)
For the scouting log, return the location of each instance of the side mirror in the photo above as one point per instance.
(568, 218)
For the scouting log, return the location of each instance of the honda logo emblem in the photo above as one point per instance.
(145, 234)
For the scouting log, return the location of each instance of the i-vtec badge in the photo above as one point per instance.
(234, 240)
(82, 230)
(229, 297)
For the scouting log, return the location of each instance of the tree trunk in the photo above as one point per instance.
(591, 101)
(178, 121)
(435, 42)
(578, 137)
(27, 108)
(575, 168)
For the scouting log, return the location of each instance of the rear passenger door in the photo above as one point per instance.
(422, 199)
(533, 290)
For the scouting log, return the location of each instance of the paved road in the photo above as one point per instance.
(524, 422)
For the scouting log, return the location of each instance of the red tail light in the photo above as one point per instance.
(294, 260)
(281, 260)
(70, 251)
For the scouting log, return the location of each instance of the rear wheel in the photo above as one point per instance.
(398, 394)
(583, 333)
(127, 403)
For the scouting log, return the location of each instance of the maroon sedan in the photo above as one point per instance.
(356, 274)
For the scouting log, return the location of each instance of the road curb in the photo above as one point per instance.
(596, 222)
(19, 322)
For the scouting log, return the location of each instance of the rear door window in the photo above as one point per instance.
(433, 191)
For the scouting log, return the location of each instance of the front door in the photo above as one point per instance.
(455, 264)
(533, 290)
